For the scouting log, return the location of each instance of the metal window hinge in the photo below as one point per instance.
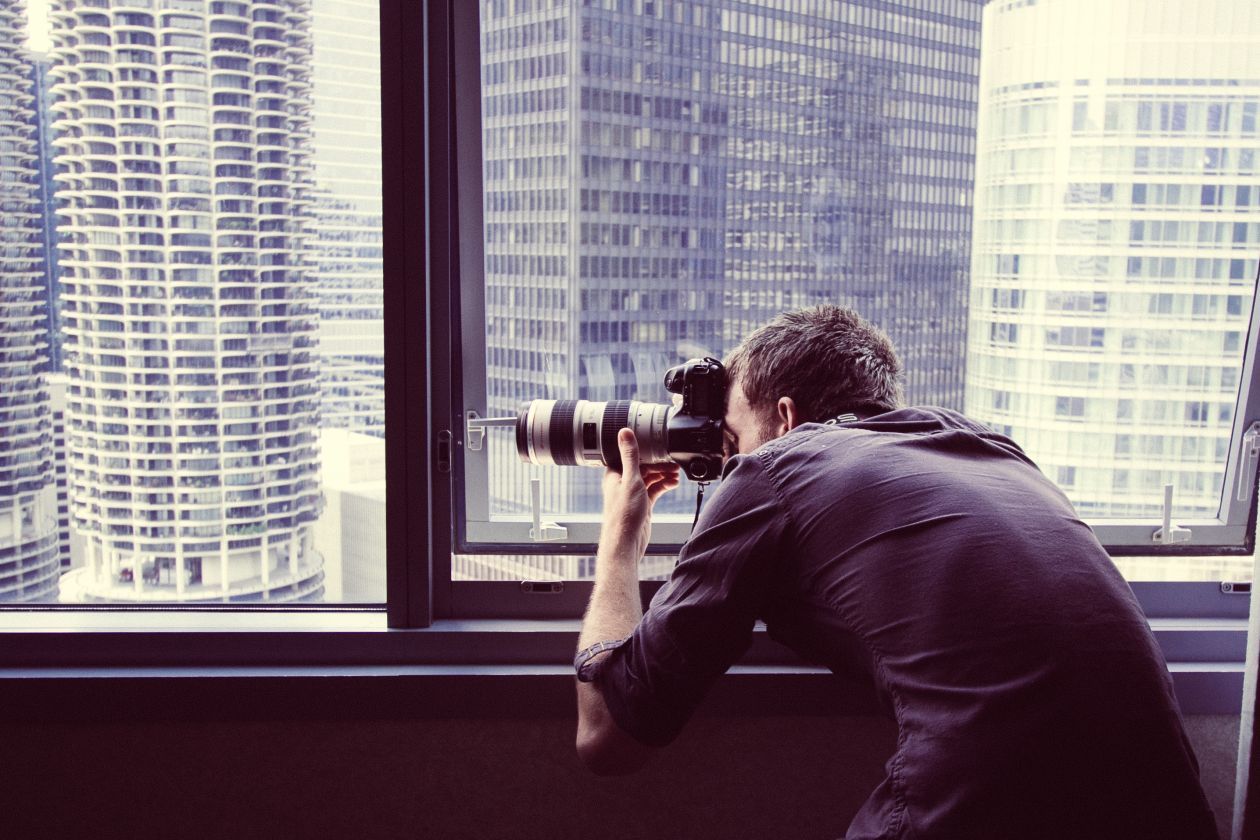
(1170, 533)
(475, 428)
(1247, 463)
(542, 531)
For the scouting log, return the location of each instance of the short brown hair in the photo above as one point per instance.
(827, 358)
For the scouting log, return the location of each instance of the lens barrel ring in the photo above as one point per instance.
(560, 433)
(616, 417)
(522, 431)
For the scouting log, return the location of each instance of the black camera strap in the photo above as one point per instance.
(699, 500)
(700, 485)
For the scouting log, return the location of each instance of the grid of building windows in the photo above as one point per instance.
(1117, 227)
(346, 250)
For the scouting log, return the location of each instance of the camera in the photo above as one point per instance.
(584, 432)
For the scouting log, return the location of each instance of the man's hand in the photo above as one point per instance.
(629, 497)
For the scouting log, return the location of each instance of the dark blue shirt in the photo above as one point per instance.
(928, 556)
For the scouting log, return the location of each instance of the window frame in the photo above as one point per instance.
(452, 635)
(1204, 659)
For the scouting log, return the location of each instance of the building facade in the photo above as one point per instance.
(48, 210)
(351, 533)
(662, 177)
(346, 250)
(29, 564)
(1115, 240)
(183, 148)
(69, 548)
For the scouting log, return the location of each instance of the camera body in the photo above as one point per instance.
(694, 432)
(584, 433)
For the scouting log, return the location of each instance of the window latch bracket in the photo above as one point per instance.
(1170, 533)
(475, 428)
(542, 531)
(1247, 463)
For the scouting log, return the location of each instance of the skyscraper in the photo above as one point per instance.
(662, 177)
(29, 564)
(66, 542)
(183, 148)
(48, 211)
(1116, 233)
(346, 249)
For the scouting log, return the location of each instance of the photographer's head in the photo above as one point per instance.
(808, 366)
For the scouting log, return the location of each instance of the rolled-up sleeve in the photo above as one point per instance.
(701, 621)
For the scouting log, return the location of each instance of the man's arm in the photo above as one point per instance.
(615, 607)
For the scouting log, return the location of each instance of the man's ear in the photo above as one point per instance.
(788, 418)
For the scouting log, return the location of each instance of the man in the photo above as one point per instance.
(922, 551)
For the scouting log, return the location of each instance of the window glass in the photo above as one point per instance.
(657, 185)
(1060, 246)
(191, 372)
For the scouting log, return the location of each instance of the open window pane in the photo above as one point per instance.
(1059, 246)
(195, 342)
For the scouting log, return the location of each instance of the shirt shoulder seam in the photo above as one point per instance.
(767, 468)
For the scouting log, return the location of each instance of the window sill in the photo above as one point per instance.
(58, 665)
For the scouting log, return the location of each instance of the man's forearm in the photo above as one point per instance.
(615, 607)
(613, 613)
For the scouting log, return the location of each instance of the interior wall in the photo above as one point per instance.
(342, 777)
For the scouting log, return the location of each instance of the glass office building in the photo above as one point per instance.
(660, 178)
(1115, 241)
(29, 561)
(346, 250)
(66, 541)
(183, 134)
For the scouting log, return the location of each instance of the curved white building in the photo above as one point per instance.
(29, 559)
(1115, 240)
(183, 149)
